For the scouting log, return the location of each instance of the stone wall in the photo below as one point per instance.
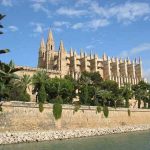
(20, 116)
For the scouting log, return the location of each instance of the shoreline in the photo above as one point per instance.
(39, 136)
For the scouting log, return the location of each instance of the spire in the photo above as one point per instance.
(42, 44)
(71, 52)
(104, 56)
(140, 61)
(61, 47)
(50, 36)
(81, 53)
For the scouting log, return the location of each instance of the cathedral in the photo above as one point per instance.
(70, 63)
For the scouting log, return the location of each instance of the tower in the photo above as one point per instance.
(50, 48)
(42, 54)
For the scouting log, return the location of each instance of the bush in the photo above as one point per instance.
(42, 94)
(57, 108)
(98, 109)
(25, 97)
(41, 108)
(106, 111)
(129, 112)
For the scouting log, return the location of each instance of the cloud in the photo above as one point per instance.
(70, 12)
(61, 23)
(38, 27)
(138, 49)
(82, 2)
(39, 6)
(13, 28)
(89, 46)
(78, 26)
(97, 23)
(6, 3)
(93, 24)
(128, 12)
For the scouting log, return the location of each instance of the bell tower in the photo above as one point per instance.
(50, 49)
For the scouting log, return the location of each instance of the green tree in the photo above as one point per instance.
(127, 93)
(39, 79)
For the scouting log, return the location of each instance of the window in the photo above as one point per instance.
(51, 47)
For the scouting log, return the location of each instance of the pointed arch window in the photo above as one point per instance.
(51, 47)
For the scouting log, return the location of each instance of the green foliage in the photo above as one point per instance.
(57, 110)
(60, 87)
(6, 72)
(106, 111)
(142, 92)
(129, 112)
(24, 96)
(98, 109)
(41, 108)
(14, 92)
(42, 94)
(127, 93)
(39, 79)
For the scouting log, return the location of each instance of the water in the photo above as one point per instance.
(127, 141)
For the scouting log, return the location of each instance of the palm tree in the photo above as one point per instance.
(39, 79)
(24, 82)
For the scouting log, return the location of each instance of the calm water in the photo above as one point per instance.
(129, 141)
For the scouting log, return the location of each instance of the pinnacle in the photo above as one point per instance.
(50, 36)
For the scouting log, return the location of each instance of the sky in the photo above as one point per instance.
(120, 28)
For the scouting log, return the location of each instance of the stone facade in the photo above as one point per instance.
(120, 70)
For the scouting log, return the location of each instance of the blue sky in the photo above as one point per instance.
(118, 27)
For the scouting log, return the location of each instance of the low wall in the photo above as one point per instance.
(19, 116)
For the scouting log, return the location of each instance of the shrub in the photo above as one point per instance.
(42, 95)
(129, 112)
(41, 108)
(25, 97)
(98, 109)
(106, 111)
(57, 108)
(1, 108)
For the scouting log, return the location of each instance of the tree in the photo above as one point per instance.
(7, 71)
(141, 92)
(60, 87)
(24, 82)
(127, 93)
(39, 79)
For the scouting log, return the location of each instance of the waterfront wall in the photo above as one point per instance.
(20, 116)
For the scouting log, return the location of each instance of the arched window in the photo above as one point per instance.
(51, 47)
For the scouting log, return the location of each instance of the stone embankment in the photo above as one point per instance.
(36, 136)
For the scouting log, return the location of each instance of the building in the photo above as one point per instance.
(70, 63)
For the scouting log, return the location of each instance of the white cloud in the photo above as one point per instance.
(97, 23)
(39, 1)
(78, 25)
(6, 2)
(38, 6)
(37, 27)
(61, 23)
(70, 11)
(93, 24)
(89, 46)
(13, 28)
(128, 12)
(138, 49)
